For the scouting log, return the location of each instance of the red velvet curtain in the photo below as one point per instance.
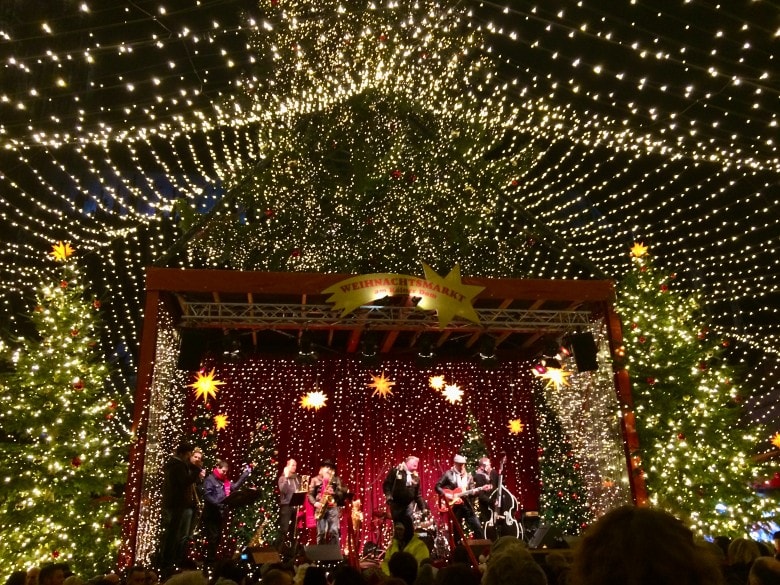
(367, 435)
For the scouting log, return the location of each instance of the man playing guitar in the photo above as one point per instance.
(455, 482)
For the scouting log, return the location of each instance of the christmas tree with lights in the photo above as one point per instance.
(695, 446)
(563, 496)
(473, 447)
(257, 524)
(63, 442)
(378, 144)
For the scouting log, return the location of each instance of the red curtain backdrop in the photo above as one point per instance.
(365, 434)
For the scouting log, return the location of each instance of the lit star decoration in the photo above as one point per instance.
(205, 386)
(436, 382)
(313, 400)
(638, 250)
(515, 426)
(776, 440)
(221, 421)
(453, 393)
(61, 252)
(450, 306)
(382, 386)
(556, 378)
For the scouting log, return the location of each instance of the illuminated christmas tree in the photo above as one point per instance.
(62, 438)
(257, 524)
(378, 144)
(473, 447)
(695, 445)
(563, 496)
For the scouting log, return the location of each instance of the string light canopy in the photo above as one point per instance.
(630, 123)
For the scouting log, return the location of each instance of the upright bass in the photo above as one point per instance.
(502, 520)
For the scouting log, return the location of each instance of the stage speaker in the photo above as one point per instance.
(583, 346)
(261, 555)
(194, 344)
(546, 537)
(324, 552)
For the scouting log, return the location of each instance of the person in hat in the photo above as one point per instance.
(451, 484)
(326, 495)
(402, 494)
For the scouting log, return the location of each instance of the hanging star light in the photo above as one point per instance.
(453, 393)
(638, 250)
(556, 378)
(221, 421)
(776, 440)
(381, 385)
(436, 382)
(205, 386)
(314, 400)
(515, 426)
(61, 252)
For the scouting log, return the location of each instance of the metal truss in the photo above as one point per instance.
(290, 315)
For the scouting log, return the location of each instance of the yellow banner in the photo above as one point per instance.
(448, 296)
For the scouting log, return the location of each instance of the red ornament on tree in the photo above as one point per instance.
(269, 213)
(74, 332)
(664, 288)
(76, 461)
(651, 381)
(295, 253)
(634, 325)
(96, 304)
(681, 436)
(55, 554)
(641, 339)
(63, 284)
(396, 174)
(78, 384)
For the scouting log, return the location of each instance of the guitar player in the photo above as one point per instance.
(457, 479)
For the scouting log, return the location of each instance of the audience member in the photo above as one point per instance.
(32, 575)
(414, 546)
(506, 567)
(742, 552)
(177, 493)
(315, 576)
(403, 565)
(135, 575)
(426, 574)
(187, 578)
(775, 541)
(346, 575)
(457, 574)
(641, 546)
(556, 567)
(17, 578)
(52, 574)
(765, 571)
(277, 577)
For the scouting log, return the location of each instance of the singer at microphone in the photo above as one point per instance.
(402, 494)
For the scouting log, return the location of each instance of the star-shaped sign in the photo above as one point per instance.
(382, 386)
(638, 250)
(205, 386)
(515, 426)
(556, 378)
(61, 252)
(314, 400)
(221, 421)
(776, 440)
(436, 382)
(453, 393)
(452, 298)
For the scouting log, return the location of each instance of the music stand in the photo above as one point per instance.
(242, 498)
(296, 501)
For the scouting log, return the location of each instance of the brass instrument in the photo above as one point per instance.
(326, 498)
(304, 483)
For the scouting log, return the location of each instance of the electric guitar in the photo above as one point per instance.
(457, 496)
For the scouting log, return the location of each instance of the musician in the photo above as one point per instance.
(216, 487)
(327, 494)
(402, 494)
(485, 475)
(458, 478)
(289, 483)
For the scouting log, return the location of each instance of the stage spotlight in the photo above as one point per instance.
(487, 352)
(425, 353)
(306, 351)
(369, 350)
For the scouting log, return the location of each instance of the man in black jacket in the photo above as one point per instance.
(177, 497)
(402, 494)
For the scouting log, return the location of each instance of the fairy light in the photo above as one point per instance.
(666, 132)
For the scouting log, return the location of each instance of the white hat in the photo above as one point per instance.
(459, 459)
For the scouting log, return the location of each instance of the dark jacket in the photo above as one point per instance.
(178, 480)
(396, 489)
(214, 490)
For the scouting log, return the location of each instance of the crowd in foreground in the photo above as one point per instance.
(627, 546)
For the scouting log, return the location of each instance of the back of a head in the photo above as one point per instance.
(347, 575)
(456, 574)
(765, 571)
(743, 551)
(508, 567)
(276, 577)
(404, 566)
(641, 546)
(187, 578)
(315, 576)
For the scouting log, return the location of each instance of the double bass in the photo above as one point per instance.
(502, 514)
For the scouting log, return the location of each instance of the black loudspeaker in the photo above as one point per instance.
(583, 346)
(546, 537)
(324, 552)
(194, 344)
